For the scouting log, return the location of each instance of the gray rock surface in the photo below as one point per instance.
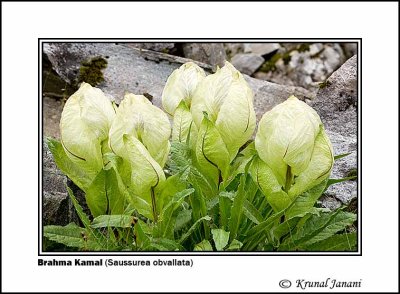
(57, 207)
(349, 49)
(128, 69)
(210, 53)
(231, 49)
(261, 48)
(52, 109)
(247, 63)
(304, 65)
(267, 95)
(142, 71)
(159, 47)
(336, 104)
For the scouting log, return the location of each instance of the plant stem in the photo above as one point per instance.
(153, 202)
(289, 177)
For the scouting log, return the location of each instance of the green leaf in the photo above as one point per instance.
(295, 221)
(319, 167)
(211, 151)
(318, 228)
(168, 189)
(204, 245)
(142, 240)
(165, 226)
(240, 162)
(339, 222)
(257, 233)
(96, 195)
(305, 202)
(82, 216)
(193, 228)
(265, 178)
(202, 183)
(340, 242)
(67, 166)
(117, 221)
(235, 245)
(183, 218)
(180, 157)
(104, 196)
(220, 238)
(335, 181)
(336, 157)
(70, 235)
(225, 204)
(183, 126)
(163, 244)
(251, 212)
(237, 208)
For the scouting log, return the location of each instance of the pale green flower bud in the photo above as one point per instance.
(85, 122)
(181, 85)
(139, 134)
(291, 140)
(227, 100)
(177, 98)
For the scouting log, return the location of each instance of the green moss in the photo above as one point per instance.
(324, 84)
(352, 173)
(269, 65)
(286, 58)
(304, 47)
(91, 71)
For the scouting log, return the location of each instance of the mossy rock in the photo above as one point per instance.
(91, 71)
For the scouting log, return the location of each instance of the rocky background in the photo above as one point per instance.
(321, 74)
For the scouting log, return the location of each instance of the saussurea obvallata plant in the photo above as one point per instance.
(204, 184)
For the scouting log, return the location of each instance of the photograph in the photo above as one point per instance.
(208, 147)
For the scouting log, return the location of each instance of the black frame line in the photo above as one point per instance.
(189, 254)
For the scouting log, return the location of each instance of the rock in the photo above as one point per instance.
(261, 48)
(349, 49)
(336, 103)
(304, 65)
(267, 95)
(247, 63)
(142, 71)
(315, 48)
(210, 53)
(129, 69)
(231, 49)
(159, 47)
(333, 57)
(57, 206)
(52, 109)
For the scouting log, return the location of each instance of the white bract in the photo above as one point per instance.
(177, 98)
(291, 140)
(85, 122)
(222, 109)
(139, 134)
(181, 85)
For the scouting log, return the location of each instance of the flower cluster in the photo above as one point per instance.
(214, 115)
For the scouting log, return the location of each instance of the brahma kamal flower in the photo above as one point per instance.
(139, 135)
(85, 122)
(177, 98)
(295, 151)
(222, 109)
